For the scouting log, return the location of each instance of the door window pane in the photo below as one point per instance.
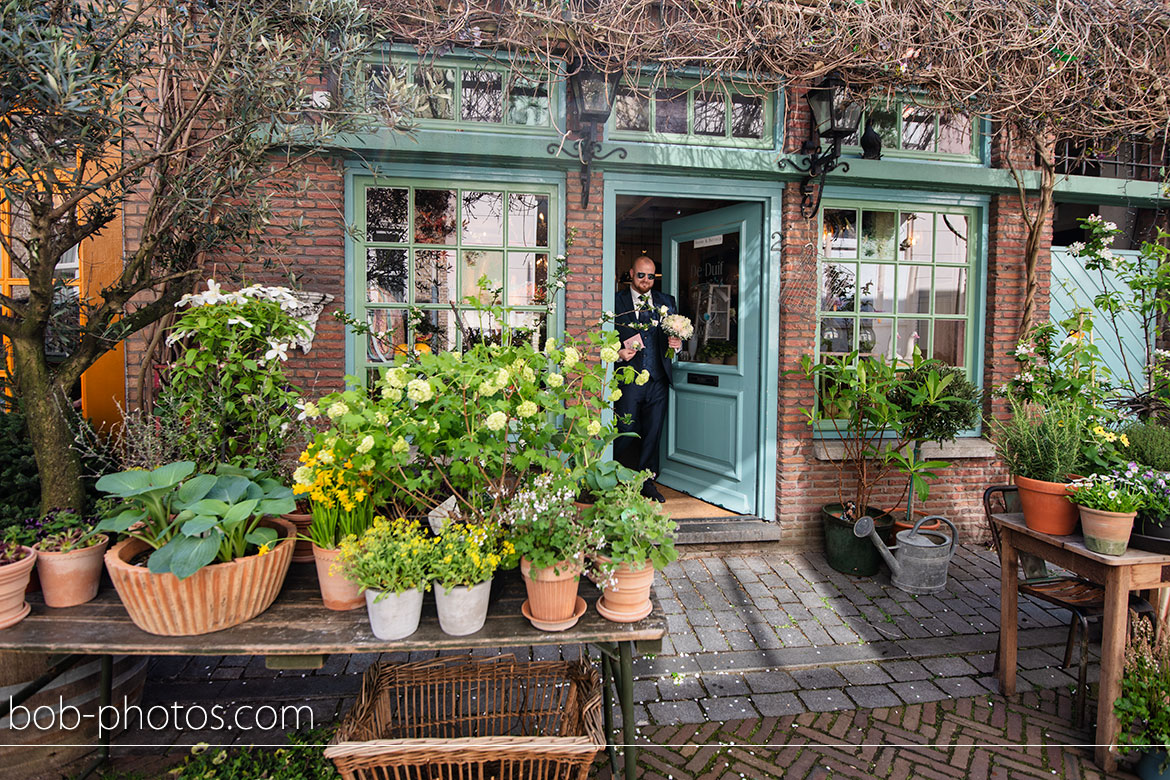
(916, 237)
(836, 335)
(950, 290)
(385, 214)
(482, 96)
(878, 229)
(670, 111)
(527, 273)
(435, 330)
(951, 238)
(914, 289)
(709, 275)
(839, 236)
(631, 111)
(747, 116)
(710, 114)
(478, 264)
(483, 218)
(434, 275)
(950, 341)
(386, 275)
(434, 216)
(435, 88)
(876, 337)
(527, 220)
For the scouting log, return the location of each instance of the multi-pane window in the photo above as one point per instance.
(696, 114)
(476, 94)
(920, 130)
(424, 248)
(895, 278)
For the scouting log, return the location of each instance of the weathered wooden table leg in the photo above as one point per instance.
(607, 711)
(1008, 613)
(1113, 630)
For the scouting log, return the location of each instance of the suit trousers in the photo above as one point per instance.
(646, 407)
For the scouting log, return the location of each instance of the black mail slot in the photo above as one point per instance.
(710, 380)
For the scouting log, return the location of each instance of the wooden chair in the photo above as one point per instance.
(1084, 599)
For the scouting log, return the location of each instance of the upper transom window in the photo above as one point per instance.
(699, 113)
(911, 129)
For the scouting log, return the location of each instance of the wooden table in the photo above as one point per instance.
(297, 629)
(1135, 570)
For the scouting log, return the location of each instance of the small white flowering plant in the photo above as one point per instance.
(544, 524)
(227, 389)
(1114, 492)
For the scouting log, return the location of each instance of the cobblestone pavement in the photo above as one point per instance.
(771, 648)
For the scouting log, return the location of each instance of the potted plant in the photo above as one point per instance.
(465, 559)
(637, 539)
(1153, 519)
(69, 558)
(1108, 504)
(16, 564)
(718, 351)
(390, 562)
(546, 528)
(1142, 715)
(203, 551)
(1041, 446)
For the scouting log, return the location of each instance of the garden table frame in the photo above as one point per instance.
(1120, 574)
(298, 632)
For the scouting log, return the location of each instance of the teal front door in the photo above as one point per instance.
(712, 265)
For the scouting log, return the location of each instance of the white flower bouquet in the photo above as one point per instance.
(678, 326)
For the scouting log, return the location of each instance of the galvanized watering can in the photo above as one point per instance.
(922, 556)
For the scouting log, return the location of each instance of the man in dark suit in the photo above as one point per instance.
(642, 408)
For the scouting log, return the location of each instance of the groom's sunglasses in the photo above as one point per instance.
(640, 275)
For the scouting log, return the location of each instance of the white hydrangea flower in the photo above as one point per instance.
(556, 380)
(487, 389)
(572, 357)
(550, 344)
(336, 409)
(419, 391)
(594, 428)
(496, 421)
(303, 475)
(399, 446)
(503, 379)
(365, 445)
(527, 409)
(609, 354)
(615, 395)
(642, 378)
(309, 411)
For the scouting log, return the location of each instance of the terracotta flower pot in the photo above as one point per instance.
(1046, 506)
(13, 581)
(626, 599)
(71, 578)
(215, 597)
(303, 551)
(552, 592)
(338, 593)
(1106, 532)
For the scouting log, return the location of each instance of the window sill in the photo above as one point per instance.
(973, 447)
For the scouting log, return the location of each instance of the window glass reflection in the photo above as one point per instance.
(481, 96)
(875, 287)
(911, 334)
(839, 235)
(950, 290)
(838, 287)
(878, 229)
(670, 111)
(435, 88)
(387, 334)
(917, 128)
(710, 114)
(914, 289)
(386, 211)
(527, 274)
(478, 264)
(386, 275)
(950, 342)
(527, 219)
(483, 218)
(747, 116)
(434, 216)
(954, 133)
(527, 102)
(434, 275)
(631, 111)
(951, 238)
(916, 238)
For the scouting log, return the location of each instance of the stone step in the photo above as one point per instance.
(724, 530)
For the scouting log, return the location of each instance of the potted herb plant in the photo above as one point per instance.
(16, 564)
(546, 528)
(390, 562)
(1041, 446)
(1153, 519)
(203, 551)
(465, 559)
(1142, 715)
(1108, 504)
(638, 538)
(69, 558)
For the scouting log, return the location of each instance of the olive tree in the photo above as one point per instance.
(186, 115)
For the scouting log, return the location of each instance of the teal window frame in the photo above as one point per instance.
(360, 308)
(979, 138)
(692, 85)
(397, 58)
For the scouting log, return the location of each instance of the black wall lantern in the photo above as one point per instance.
(593, 96)
(834, 118)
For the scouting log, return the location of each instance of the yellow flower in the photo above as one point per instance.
(1124, 440)
(263, 550)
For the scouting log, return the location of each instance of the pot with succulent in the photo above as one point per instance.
(16, 565)
(638, 539)
(204, 551)
(547, 530)
(1108, 504)
(1143, 718)
(69, 557)
(390, 562)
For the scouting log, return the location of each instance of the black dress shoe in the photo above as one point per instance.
(650, 491)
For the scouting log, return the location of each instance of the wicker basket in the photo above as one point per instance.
(486, 719)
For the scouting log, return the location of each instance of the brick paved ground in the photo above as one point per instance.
(770, 648)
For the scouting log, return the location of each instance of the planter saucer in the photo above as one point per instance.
(623, 617)
(555, 625)
(28, 608)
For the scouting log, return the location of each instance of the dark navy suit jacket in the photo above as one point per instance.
(625, 317)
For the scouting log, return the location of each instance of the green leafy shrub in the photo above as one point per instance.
(304, 759)
(1043, 442)
(1142, 715)
(1149, 445)
(21, 496)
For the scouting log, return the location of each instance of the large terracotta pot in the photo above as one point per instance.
(338, 593)
(303, 552)
(552, 592)
(1106, 532)
(215, 597)
(626, 597)
(71, 578)
(13, 581)
(1046, 506)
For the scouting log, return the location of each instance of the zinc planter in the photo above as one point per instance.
(338, 593)
(394, 615)
(1046, 506)
(552, 594)
(71, 578)
(13, 582)
(216, 597)
(1153, 765)
(1106, 532)
(462, 610)
(626, 599)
